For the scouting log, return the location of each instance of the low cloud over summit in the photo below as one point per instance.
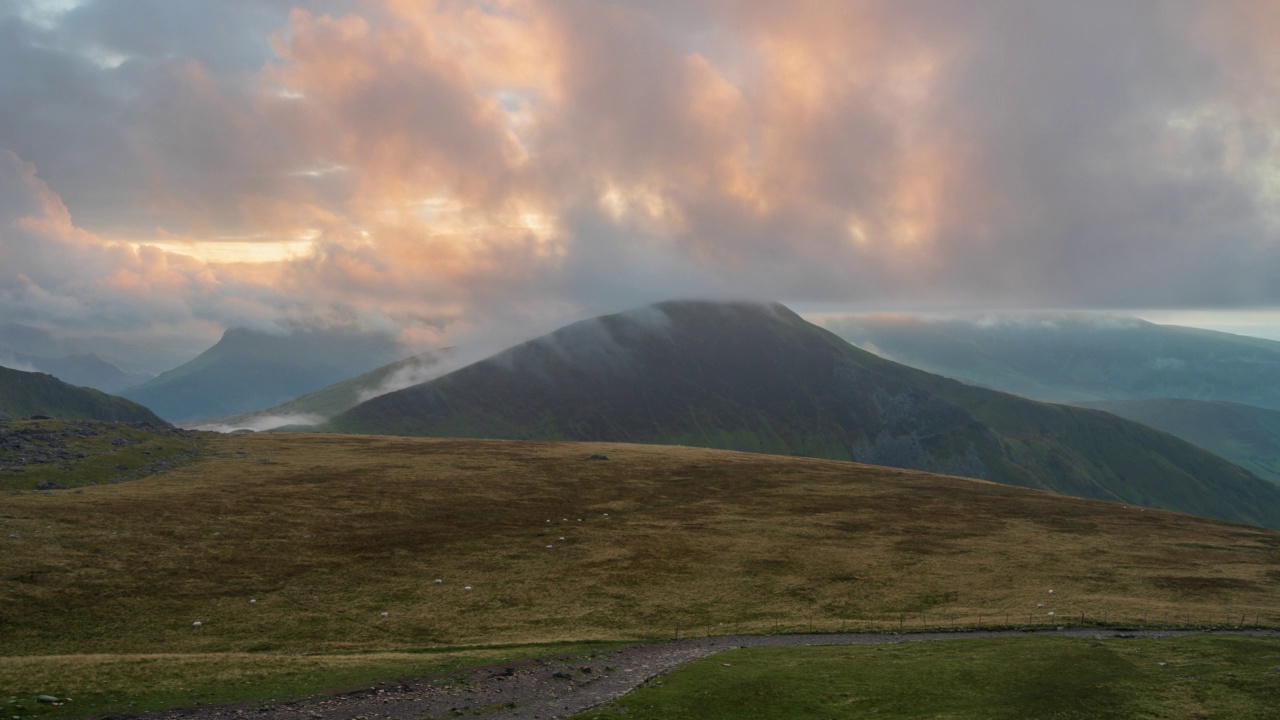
(448, 168)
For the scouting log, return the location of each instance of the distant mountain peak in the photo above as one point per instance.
(249, 370)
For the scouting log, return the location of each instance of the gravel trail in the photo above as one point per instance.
(562, 686)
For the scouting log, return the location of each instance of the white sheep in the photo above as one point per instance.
(467, 588)
(561, 538)
(1052, 613)
(1050, 592)
(550, 546)
(384, 614)
(197, 624)
(253, 601)
(1039, 605)
(439, 581)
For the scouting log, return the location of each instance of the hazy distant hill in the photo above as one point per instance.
(249, 370)
(29, 340)
(87, 370)
(760, 378)
(1078, 358)
(23, 394)
(23, 347)
(326, 402)
(1247, 436)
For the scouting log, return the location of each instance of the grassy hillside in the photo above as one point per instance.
(337, 398)
(1089, 453)
(248, 370)
(325, 533)
(1077, 358)
(1247, 436)
(99, 588)
(760, 378)
(1013, 679)
(23, 394)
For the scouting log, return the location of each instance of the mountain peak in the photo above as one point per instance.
(757, 377)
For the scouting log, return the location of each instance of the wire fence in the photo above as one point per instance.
(924, 622)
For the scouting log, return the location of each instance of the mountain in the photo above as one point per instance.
(1077, 358)
(107, 362)
(759, 378)
(23, 394)
(87, 370)
(29, 340)
(1247, 436)
(326, 402)
(248, 370)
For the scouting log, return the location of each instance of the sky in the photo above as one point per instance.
(450, 170)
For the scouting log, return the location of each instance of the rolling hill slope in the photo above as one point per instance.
(23, 394)
(327, 533)
(249, 370)
(1247, 436)
(759, 378)
(1077, 358)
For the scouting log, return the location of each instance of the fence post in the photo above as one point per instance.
(677, 629)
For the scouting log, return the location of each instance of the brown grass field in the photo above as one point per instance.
(99, 590)
(328, 532)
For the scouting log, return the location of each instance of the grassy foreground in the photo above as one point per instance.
(117, 684)
(289, 549)
(1013, 678)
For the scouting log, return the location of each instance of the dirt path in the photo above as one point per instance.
(562, 686)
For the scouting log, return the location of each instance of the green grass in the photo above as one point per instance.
(1013, 678)
(113, 684)
(81, 453)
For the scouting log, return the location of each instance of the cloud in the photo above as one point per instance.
(453, 167)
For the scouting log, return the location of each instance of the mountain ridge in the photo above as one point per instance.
(1246, 435)
(318, 406)
(250, 370)
(1077, 358)
(750, 376)
(25, 394)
